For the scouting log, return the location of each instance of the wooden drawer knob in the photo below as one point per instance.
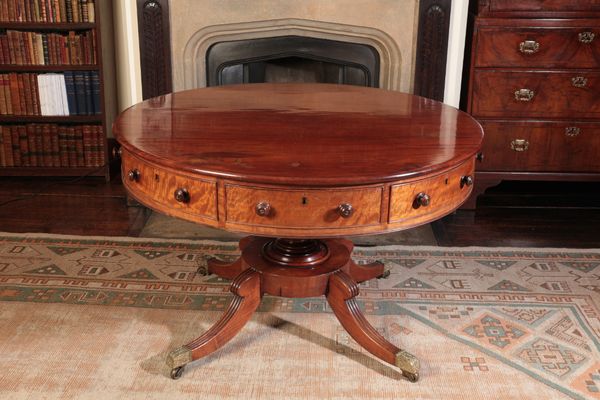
(421, 200)
(529, 47)
(133, 175)
(263, 209)
(345, 210)
(466, 180)
(182, 195)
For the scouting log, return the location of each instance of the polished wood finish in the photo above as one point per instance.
(302, 163)
(535, 86)
(558, 45)
(553, 146)
(155, 47)
(554, 94)
(432, 48)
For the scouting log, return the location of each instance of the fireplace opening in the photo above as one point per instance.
(292, 59)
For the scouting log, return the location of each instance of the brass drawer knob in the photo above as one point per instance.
(529, 47)
(466, 180)
(133, 175)
(182, 195)
(524, 94)
(579, 81)
(421, 200)
(572, 131)
(519, 145)
(345, 210)
(479, 157)
(263, 209)
(586, 37)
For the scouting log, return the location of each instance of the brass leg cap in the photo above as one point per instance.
(179, 357)
(408, 363)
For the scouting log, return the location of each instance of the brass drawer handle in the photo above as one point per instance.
(572, 131)
(263, 209)
(182, 195)
(524, 94)
(529, 47)
(519, 145)
(466, 180)
(134, 175)
(579, 81)
(586, 37)
(345, 210)
(421, 200)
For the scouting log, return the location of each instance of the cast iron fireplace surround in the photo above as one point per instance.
(292, 59)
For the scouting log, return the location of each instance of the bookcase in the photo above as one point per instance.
(52, 109)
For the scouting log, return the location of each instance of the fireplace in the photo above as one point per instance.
(292, 59)
(188, 44)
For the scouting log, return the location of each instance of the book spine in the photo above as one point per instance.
(23, 145)
(69, 10)
(7, 94)
(63, 147)
(95, 89)
(2, 157)
(14, 133)
(21, 86)
(47, 146)
(72, 152)
(7, 144)
(54, 145)
(35, 95)
(88, 143)
(3, 105)
(33, 155)
(80, 93)
(27, 91)
(70, 87)
(14, 94)
(39, 146)
(89, 103)
(79, 146)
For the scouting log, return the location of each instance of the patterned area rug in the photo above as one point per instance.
(95, 317)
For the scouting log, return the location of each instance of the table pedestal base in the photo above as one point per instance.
(295, 268)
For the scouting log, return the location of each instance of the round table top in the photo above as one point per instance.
(299, 134)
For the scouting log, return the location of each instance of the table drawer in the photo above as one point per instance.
(171, 192)
(303, 208)
(541, 94)
(540, 146)
(539, 47)
(445, 192)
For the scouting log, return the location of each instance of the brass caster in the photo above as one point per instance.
(410, 376)
(177, 372)
(385, 275)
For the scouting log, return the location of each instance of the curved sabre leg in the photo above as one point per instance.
(229, 270)
(246, 299)
(365, 272)
(341, 296)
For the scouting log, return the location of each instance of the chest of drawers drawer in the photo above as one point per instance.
(541, 146)
(539, 46)
(541, 5)
(537, 94)
(303, 208)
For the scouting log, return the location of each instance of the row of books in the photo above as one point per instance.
(52, 145)
(68, 93)
(33, 48)
(47, 10)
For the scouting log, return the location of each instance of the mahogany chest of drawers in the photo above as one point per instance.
(534, 85)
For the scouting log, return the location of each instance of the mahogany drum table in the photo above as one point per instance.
(298, 167)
